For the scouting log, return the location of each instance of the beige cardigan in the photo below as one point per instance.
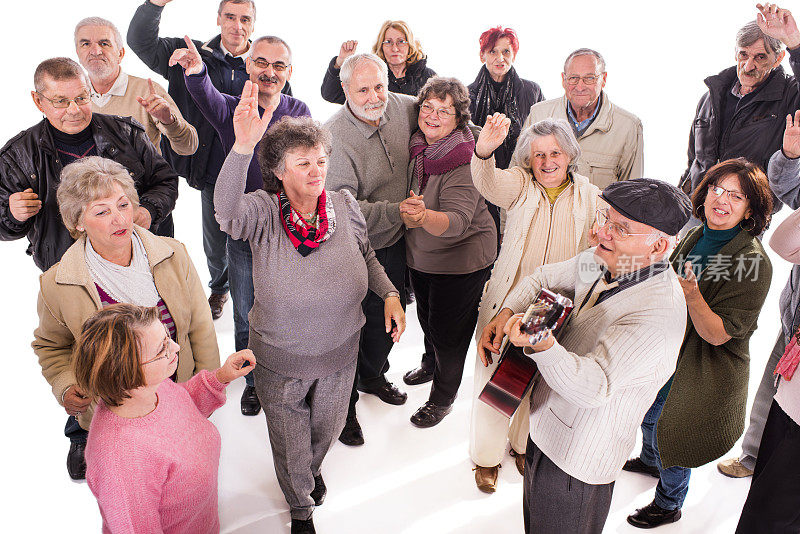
(515, 191)
(68, 296)
(181, 135)
(611, 147)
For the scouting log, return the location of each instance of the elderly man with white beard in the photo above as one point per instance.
(370, 159)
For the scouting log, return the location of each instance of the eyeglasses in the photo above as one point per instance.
(262, 63)
(390, 43)
(165, 352)
(62, 103)
(733, 196)
(616, 230)
(589, 79)
(427, 109)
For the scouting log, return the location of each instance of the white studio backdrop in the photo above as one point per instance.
(657, 56)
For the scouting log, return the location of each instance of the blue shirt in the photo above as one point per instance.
(581, 126)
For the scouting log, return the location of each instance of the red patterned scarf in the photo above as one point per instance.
(449, 152)
(788, 362)
(305, 238)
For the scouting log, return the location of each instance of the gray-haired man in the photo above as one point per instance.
(743, 112)
(370, 159)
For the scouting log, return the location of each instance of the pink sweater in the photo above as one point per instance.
(158, 473)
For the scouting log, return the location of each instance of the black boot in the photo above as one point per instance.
(303, 526)
(76, 465)
(320, 491)
(351, 433)
(250, 404)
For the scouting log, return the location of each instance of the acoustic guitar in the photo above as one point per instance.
(515, 371)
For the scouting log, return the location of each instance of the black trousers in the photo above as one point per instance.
(556, 503)
(375, 343)
(447, 308)
(773, 503)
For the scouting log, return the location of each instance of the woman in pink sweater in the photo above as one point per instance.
(152, 456)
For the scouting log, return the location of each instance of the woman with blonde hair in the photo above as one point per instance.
(402, 52)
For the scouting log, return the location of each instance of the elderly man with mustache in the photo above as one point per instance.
(269, 66)
(743, 111)
(370, 159)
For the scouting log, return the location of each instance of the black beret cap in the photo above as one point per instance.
(652, 202)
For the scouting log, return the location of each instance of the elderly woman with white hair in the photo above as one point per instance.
(551, 211)
(112, 261)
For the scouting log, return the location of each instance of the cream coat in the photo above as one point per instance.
(611, 147)
(68, 296)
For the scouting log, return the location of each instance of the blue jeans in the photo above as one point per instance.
(673, 484)
(240, 276)
(214, 243)
(74, 431)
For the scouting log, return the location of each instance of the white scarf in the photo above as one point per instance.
(133, 284)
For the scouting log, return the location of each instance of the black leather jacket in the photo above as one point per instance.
(416, 76)
(30, 159)
(754, 132)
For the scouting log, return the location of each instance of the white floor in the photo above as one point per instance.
(403, 480)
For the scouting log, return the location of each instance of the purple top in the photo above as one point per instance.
(218, 109)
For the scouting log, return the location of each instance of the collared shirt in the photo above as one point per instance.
(580, 127)
(119, 88)
(631, 279)
(229, 53)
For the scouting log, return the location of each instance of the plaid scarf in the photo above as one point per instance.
(303, 236)
(449, 152)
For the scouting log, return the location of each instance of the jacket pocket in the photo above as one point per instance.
(602, 168)
(562, 409)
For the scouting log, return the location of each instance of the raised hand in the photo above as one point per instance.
(791, 136)
(24, 205)
(347, 49)
(156, 106)
(778, 23)
(188, 58)
(237, 365)
(492, 134)
(247, 125)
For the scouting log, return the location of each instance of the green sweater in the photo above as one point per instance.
(704, 413)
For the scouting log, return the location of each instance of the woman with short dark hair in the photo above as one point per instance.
(450, 241)
(312, 267)
(725, 275)
(152, 456)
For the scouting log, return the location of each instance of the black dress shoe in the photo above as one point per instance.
(320, 491)
(652, 516)
(303, 526)
(430, 414)
(216, 302)
(351, 433)
(76, 464)
(386, 391)
(250, 404)
(417, 376)
(636, 465)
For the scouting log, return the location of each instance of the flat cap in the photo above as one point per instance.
(652, 202)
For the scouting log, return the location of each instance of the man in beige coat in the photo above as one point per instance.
(610, 137)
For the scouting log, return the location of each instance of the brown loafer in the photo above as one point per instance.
(486, 478)
(519, 459)
(733, 468)
(216, 301)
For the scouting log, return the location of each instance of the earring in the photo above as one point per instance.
(752, 227)
(699, 212)
(79, 228)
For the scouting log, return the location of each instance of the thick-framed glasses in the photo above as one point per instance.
(62, 103)
(442, 113)
(589, 79)
(616, 230)
(165, 352)
(733, 196)
(262, 63)
(399, 42)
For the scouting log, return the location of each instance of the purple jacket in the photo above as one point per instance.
(218, 109)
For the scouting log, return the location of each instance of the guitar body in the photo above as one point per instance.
(515, 371)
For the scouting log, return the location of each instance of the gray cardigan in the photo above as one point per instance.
(306, 309)
(372, 164)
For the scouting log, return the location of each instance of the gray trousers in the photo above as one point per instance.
(304, 418)
(556, 503)
(761, 405)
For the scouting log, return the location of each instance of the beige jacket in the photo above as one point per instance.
(181, 135)
(611, 147)
(556, 235)
(68, 296)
